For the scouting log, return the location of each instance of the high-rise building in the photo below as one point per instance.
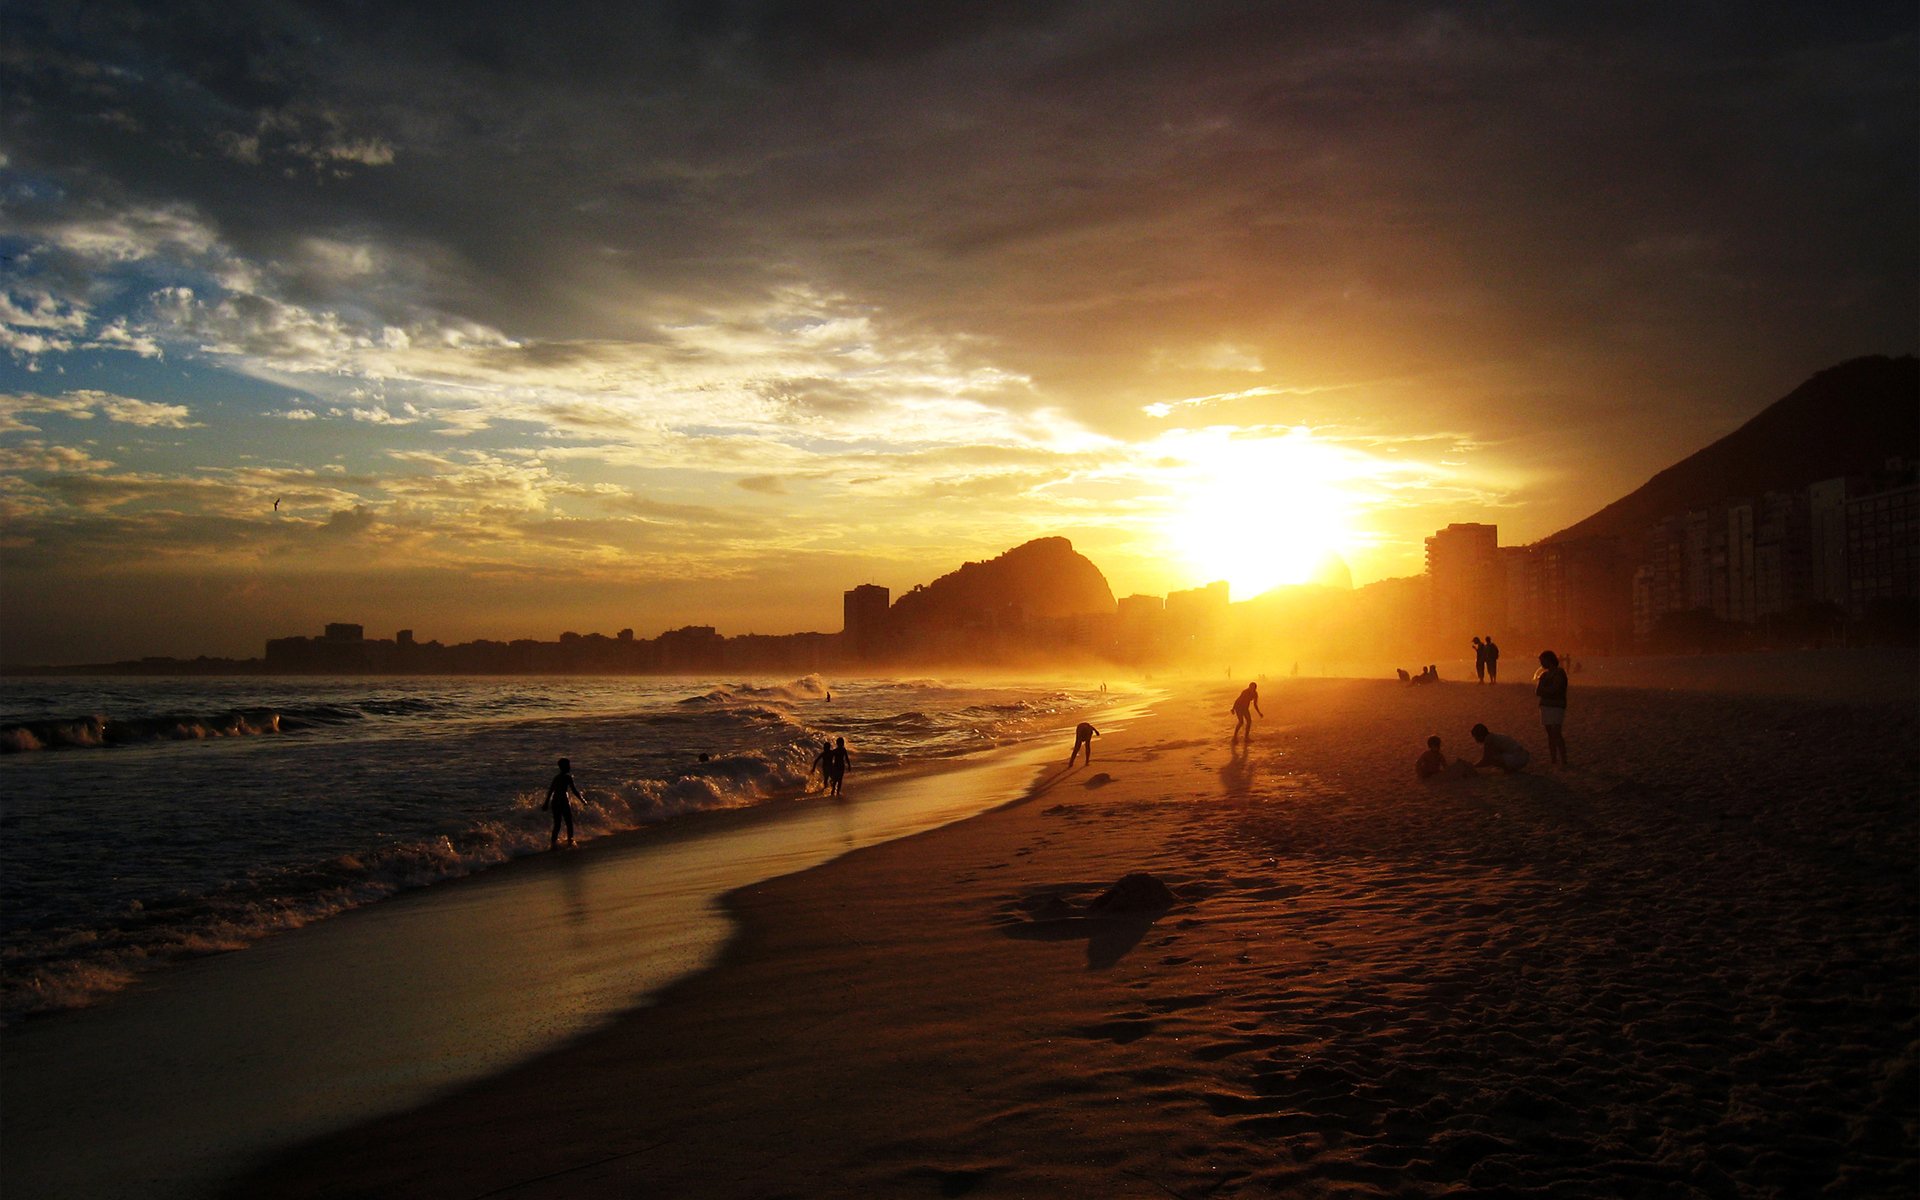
(864, 612)
(1467, 581)
(1883, 542)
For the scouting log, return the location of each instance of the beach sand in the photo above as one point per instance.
(1687, 965)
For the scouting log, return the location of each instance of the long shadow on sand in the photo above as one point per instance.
(1108, 938)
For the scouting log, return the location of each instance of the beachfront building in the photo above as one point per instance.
(863, 621)
(1883, 541)
(1776, 561)
(1467, 582)
(1197, 620)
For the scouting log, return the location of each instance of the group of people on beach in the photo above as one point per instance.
(1501, 750)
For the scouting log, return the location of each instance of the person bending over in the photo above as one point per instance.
(1243, 719)
(1499, 750)
(1083, 736)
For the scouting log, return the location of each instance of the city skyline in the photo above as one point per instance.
(704, 314)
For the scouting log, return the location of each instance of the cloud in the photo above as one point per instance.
(37, 455)
(84, 404)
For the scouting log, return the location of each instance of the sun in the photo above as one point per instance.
(1258, 509)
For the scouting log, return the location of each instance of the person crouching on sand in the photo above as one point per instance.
(557, 793)
(1552, 690)
(1242, 719)
(1434, 765)
(1499, 750)
(1083, 736)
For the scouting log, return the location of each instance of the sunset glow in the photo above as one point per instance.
(720, 317)
(1263, 510)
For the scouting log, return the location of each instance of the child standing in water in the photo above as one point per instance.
(557, 793)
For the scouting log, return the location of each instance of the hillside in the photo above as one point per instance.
(1845, 419)
(1043, 578)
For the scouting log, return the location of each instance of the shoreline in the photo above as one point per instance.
(386, 1006)
(1688, 968)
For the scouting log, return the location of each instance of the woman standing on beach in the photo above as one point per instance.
(1552, 690)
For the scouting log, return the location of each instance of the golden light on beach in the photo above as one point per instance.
(1260, 511)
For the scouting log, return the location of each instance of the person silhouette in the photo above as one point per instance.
(1552, 691)
(837, 766)
(1479, 661)
(1434, 765)
(1242, 718)
(821, 765)
(1499, 750)
(562, 808)
(1083, 735)
(1493, 660)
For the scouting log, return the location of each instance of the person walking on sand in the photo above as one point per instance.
(1493, 660)
(1242, 718)
(557, 800)
(1083, 735)
(837, 766)
(1479, 661)
(1552, 690)
(1499, 750)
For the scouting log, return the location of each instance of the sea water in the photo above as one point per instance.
(146, 821)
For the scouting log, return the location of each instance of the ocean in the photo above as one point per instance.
(144, 822)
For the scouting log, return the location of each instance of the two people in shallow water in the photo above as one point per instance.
(560, 795)
(831, 765)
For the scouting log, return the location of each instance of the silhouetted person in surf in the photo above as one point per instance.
(1242, 718)
(1083, 735)
(557, 800)
(1493, 659)
(820, 762)
(837, 765)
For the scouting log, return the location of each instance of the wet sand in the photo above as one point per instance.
(1686, 966)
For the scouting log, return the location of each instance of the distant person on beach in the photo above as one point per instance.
(1499, 750)
(837, 766)
(1552, 690)
(1242, 718)
(1083, 735)
(1479, 661)
(562, 808)
(1434, 765)
(1493, 660)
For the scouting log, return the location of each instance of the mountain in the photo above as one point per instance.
(1846, 419)
(1042, 579)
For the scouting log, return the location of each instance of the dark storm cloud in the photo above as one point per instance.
(1500, 200)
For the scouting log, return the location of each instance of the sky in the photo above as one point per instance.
(504, 320)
